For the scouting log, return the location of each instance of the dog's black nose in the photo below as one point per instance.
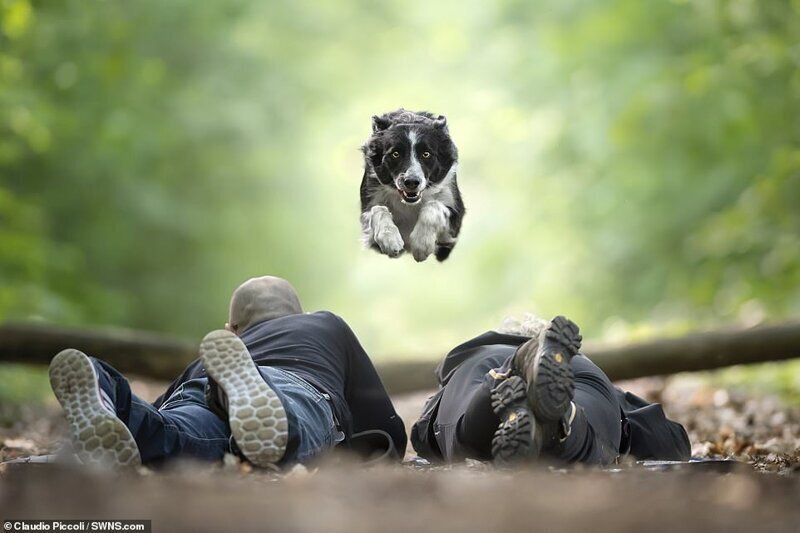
(412, 182)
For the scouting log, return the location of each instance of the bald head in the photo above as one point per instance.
(260, 299)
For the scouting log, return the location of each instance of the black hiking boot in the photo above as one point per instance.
(534, 401)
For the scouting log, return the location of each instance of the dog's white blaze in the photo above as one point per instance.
(415, 166)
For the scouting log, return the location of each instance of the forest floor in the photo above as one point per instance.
(759, 492)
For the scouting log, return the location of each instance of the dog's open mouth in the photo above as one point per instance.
(409, 197)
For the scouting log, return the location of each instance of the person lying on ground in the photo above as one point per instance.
(526, 392)
(276, 387)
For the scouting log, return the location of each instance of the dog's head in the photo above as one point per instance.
(410, 152)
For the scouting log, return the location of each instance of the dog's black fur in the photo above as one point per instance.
(409, 193)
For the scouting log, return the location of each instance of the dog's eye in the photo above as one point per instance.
(395, 154)
(426, 155)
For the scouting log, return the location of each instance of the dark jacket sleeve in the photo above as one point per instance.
(423, 438)
(369, 403)
(651, 434)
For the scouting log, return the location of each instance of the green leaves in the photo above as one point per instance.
(16, 17)
(622, 161)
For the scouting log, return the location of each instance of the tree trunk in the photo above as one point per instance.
(159, 357)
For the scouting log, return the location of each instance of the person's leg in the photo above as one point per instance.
(98, 435)
(465, 422)
(182, 427)
(596, 430)
(312, 428)
(255, 413)
(111, 425)
(535, 400)
(472, 415)
(276, 417)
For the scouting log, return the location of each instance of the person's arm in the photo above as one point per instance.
(369, 403)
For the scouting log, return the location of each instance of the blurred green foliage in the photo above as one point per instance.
(23, 388)
(22, 384)
(625, 163)
(779, 379)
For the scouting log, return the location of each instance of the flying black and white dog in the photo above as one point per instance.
(409, 195)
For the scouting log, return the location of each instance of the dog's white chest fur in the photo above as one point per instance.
(395, 225)
(404, 215)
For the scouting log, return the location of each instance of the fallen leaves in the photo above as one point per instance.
(757, 429)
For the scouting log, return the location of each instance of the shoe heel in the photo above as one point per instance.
(513, 440)
(508, 393)
(552, 386)
(566, 333)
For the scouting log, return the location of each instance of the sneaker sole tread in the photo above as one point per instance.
(98, 436)
(255, 413)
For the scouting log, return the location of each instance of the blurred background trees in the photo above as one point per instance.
(634, 165)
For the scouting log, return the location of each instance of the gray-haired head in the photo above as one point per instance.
(260, 299)
(529, 325)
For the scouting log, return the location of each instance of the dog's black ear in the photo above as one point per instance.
(380, 123)
(440, 122)
(374, 152)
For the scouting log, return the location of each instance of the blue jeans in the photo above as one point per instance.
(185, 427)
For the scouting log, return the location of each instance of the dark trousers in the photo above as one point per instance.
(467, 421)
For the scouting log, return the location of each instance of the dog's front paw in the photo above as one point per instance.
(423, 244)
(389, 241)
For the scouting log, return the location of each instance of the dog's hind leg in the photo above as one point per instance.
(379, 230)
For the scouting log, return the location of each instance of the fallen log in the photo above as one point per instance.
(161, 357)
(129, 351)
(698, 351)
(693, 352)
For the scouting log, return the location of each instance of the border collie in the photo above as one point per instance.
(409, 195)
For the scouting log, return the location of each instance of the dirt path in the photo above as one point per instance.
(386, 499)
(761, 494)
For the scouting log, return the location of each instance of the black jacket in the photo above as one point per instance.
(646, 431)
(322, 349)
